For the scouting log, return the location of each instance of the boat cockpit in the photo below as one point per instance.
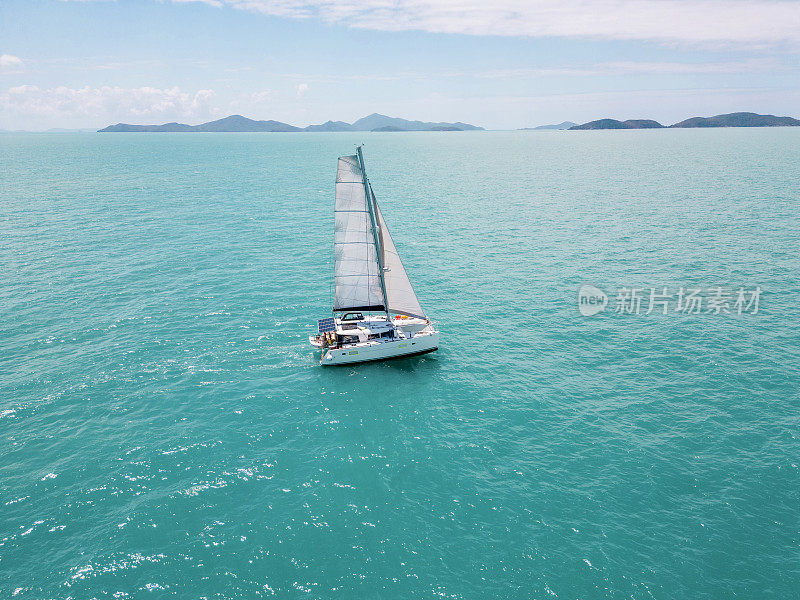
(352, 328)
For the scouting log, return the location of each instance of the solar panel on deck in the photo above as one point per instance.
(325, 325)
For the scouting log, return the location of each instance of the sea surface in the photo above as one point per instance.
(166, 431)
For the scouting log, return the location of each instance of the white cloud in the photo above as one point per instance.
(302, 88)
(29, 103)
(752, 22)
(261, 97)
(11, 64)
(640, 68)
(252, 104)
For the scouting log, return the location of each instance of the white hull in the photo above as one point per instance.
(381, 350)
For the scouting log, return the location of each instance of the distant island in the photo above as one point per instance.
(238, 123)
(559, 126)
(614, 124)
(740, 119)
(381, 123)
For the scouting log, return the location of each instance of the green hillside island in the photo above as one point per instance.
(238, 123)
(741, 119)
(614, 124)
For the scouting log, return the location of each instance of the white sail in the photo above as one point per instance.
(402, 299)
(356, 273)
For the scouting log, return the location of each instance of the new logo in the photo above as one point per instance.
(591, 300)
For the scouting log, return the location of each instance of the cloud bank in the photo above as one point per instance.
(63, 104)
(751, 22)
(752, 65)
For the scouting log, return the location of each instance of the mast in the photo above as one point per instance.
(373, 219)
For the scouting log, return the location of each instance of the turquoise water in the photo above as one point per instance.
(165, 430)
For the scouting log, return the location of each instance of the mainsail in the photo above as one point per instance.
(357, 276)
(368, 272)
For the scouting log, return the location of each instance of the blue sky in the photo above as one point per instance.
(502, 65)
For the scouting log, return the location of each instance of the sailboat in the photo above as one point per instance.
(377, 315)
